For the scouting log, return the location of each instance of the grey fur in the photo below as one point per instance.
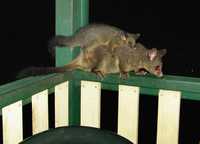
(92, 36)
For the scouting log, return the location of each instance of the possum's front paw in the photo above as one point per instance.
(141, 72)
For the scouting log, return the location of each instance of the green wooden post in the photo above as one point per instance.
(70, 16)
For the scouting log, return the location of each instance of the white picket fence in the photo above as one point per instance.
(128, 112)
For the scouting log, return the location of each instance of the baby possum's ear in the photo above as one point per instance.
(162, 52)
(152, 53)
(135, 36)
(123, 35)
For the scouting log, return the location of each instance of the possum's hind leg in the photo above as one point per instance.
(124, 72)
(101, 68)
(106, 65)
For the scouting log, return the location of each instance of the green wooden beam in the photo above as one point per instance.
(70, 16)
(25, 88)
(190, 87)
(84, 12)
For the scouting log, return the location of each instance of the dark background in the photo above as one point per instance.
(28, 25)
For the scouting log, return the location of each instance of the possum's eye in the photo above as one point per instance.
(130, 43)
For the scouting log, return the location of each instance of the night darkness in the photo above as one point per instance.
(28, 25)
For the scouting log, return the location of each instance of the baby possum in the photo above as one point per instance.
(105, 60)
(92, 36)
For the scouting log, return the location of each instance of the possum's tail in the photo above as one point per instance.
(62, 41)
(36, 71)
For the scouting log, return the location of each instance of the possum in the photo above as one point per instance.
(103, 60)
(92, 36)
(125, 59)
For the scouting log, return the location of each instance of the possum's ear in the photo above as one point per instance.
(152, 53)
(136, 36)
(123, 35)
(162, 52)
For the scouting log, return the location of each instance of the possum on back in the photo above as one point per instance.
(92, 36)
(103, 60)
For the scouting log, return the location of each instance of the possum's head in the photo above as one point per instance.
(153, 61)
(129, 38)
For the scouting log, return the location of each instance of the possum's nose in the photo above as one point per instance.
(158, 71)
(159, 74)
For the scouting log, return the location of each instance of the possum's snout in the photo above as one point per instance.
(160, 74)
(158, 71)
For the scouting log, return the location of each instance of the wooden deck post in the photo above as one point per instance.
(70, 16)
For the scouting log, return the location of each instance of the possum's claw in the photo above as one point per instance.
(124, 75)
(99, 74)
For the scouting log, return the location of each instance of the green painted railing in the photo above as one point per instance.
(189, 87)
(71, 15)
(25, 88)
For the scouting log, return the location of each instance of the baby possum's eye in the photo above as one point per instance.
(130, 44)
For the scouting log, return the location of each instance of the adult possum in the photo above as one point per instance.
(103, 60)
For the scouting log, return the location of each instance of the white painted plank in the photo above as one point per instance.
(128, 112)
(61, 105)
(12, 123)
(90, 103)
(40, 120)
(168, 117)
